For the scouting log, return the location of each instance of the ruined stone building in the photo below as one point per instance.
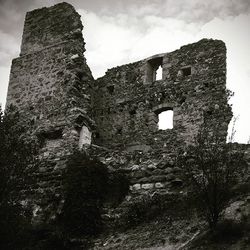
(117, 115)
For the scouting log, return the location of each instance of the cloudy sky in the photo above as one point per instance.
(121, 31)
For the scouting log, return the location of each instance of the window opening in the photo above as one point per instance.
(154, 70)
(85, 136)
(158, 73)
(186, 71)
(110, 89)
(165, 119)
(119, 131)
(52, 135)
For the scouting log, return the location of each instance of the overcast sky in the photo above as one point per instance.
(122, 31)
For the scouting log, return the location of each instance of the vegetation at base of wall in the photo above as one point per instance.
(213, 168)
(227, 233)
(148, 207)
(117, 189)
(88, 185)
(14, 224)
(229, 230)
(16, 154)
(85, 184)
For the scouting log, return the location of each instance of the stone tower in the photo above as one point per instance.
(50, 83)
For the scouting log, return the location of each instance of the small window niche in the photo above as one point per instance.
(186, 71)
(165, 119)
(110, 89)
(85, 137)
(51, 139)
(52, 135)
(154, 70)
(158, 73)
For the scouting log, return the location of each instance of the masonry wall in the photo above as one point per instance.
(50, 84)
(127, 99)
(63, 106)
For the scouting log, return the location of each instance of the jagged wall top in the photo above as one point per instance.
(49, 26)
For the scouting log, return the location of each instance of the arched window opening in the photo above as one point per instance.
(158, 73)
(85, 137)
(165, 119)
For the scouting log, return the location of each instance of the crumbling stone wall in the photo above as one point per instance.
(127, 99)
(50, 83)
(116, 114)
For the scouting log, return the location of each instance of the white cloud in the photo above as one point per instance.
(139, 30)
(9, 47)
(4, 73)
(190, 11)
(234, 31)
(121, 39)
(111, 41)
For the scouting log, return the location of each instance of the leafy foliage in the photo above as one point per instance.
(16, 153)
(88, 185)
(213, 167)
(85, 184)
(117, 189)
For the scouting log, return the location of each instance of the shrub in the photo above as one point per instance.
(17, 152)
(85, 183)
(118, 187)
(213, 167)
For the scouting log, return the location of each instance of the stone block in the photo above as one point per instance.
(147, 186)
(135, 167)
(168, 170)
(170, 177)
(158, 178)
(152, 166)
(137, 186)
(158, 172)
(159, 185)
(144, 180)
(176, 169)
(138, 174)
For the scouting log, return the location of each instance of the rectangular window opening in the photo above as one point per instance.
(165, 120)
(154, 70)
(186, 71)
